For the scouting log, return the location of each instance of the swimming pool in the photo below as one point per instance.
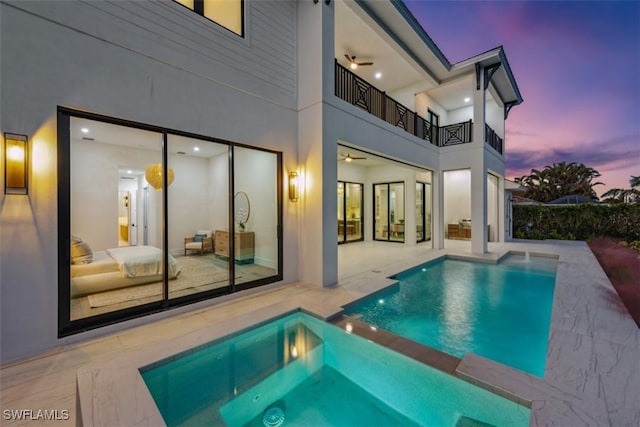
(298, 370)
(499, 311)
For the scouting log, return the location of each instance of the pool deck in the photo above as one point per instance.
(592, 372)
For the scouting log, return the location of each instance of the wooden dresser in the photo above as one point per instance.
(456, 231)
(244, 246)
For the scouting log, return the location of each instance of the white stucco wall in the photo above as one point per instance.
(424, 103)
(463, 114)
(495, 117)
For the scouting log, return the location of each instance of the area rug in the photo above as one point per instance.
(196, 271)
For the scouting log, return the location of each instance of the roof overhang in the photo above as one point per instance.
(502, 80)
(403, 28)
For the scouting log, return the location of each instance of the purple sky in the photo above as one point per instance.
(577, 64)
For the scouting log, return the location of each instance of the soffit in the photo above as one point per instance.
(357, 35)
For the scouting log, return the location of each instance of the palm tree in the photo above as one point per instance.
(560, 179)
(625, 195)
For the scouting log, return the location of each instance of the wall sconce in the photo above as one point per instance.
(16, 164)
(293, 186)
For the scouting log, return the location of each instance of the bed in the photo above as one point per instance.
(117, 268)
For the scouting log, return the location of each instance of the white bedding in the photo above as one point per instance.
(138, 261)
(119, 268)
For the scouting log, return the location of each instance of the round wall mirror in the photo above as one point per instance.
(242, 209)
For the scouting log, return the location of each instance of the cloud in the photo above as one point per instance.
(518, 132)
(619, 152)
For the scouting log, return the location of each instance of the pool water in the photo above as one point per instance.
(499, 311)
(298, 370)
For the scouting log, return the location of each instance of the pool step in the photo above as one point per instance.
(427, 355)
(471, 422)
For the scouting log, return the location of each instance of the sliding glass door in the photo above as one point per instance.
(255, 218)
(423, 212)
(350, 208)
(388, 211)
(150, 218)
(197, 205)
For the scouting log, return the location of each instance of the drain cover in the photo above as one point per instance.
(273, 417)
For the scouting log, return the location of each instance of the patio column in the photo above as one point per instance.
(316, 208)
(478, 167)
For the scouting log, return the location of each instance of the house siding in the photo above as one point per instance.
(146, 61)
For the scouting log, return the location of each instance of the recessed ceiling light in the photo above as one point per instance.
(196, 148)
(129, 171)
(378, 75)
(467, 99)
(85, 130)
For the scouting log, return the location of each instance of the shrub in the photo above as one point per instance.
(580, 222)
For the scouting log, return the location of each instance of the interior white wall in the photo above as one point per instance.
(188, 202)
(457, 195)
(93, 200)
(255, 175)
(219, 193)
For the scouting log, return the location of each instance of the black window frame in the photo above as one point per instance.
(198, 8)
(424, 210)
(344, 212)
(404, 195)
(66, 326)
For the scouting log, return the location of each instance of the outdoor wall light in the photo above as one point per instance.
(16, 164)
(293, 186)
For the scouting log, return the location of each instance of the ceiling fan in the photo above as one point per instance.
(348, 157)
(353, 64)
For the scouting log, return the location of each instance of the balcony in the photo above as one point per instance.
(359, 92)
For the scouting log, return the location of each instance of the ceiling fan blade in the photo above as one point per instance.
(348, 57)
(364, 63)
(359, 158)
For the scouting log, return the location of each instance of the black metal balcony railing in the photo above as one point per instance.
(492, 138)
(359, 92)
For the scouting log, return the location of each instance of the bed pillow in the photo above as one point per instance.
(199, 237)
(81, 253)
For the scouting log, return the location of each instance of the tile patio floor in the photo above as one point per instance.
(593, 361)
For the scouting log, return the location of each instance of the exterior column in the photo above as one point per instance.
(316, 208)
(478, 169)
(437, 209)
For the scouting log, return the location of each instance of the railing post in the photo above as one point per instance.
(384, 106)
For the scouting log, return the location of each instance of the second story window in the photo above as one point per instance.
(227, 13)
(433, 118)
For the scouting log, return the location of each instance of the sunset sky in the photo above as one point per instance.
(577, 64)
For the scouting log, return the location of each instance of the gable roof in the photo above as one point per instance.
(398, 22)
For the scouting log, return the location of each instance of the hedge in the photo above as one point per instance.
(576, 222)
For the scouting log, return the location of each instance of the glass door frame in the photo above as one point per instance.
(388, 185)
(344, 211)
(425, 194)
(66, 326)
